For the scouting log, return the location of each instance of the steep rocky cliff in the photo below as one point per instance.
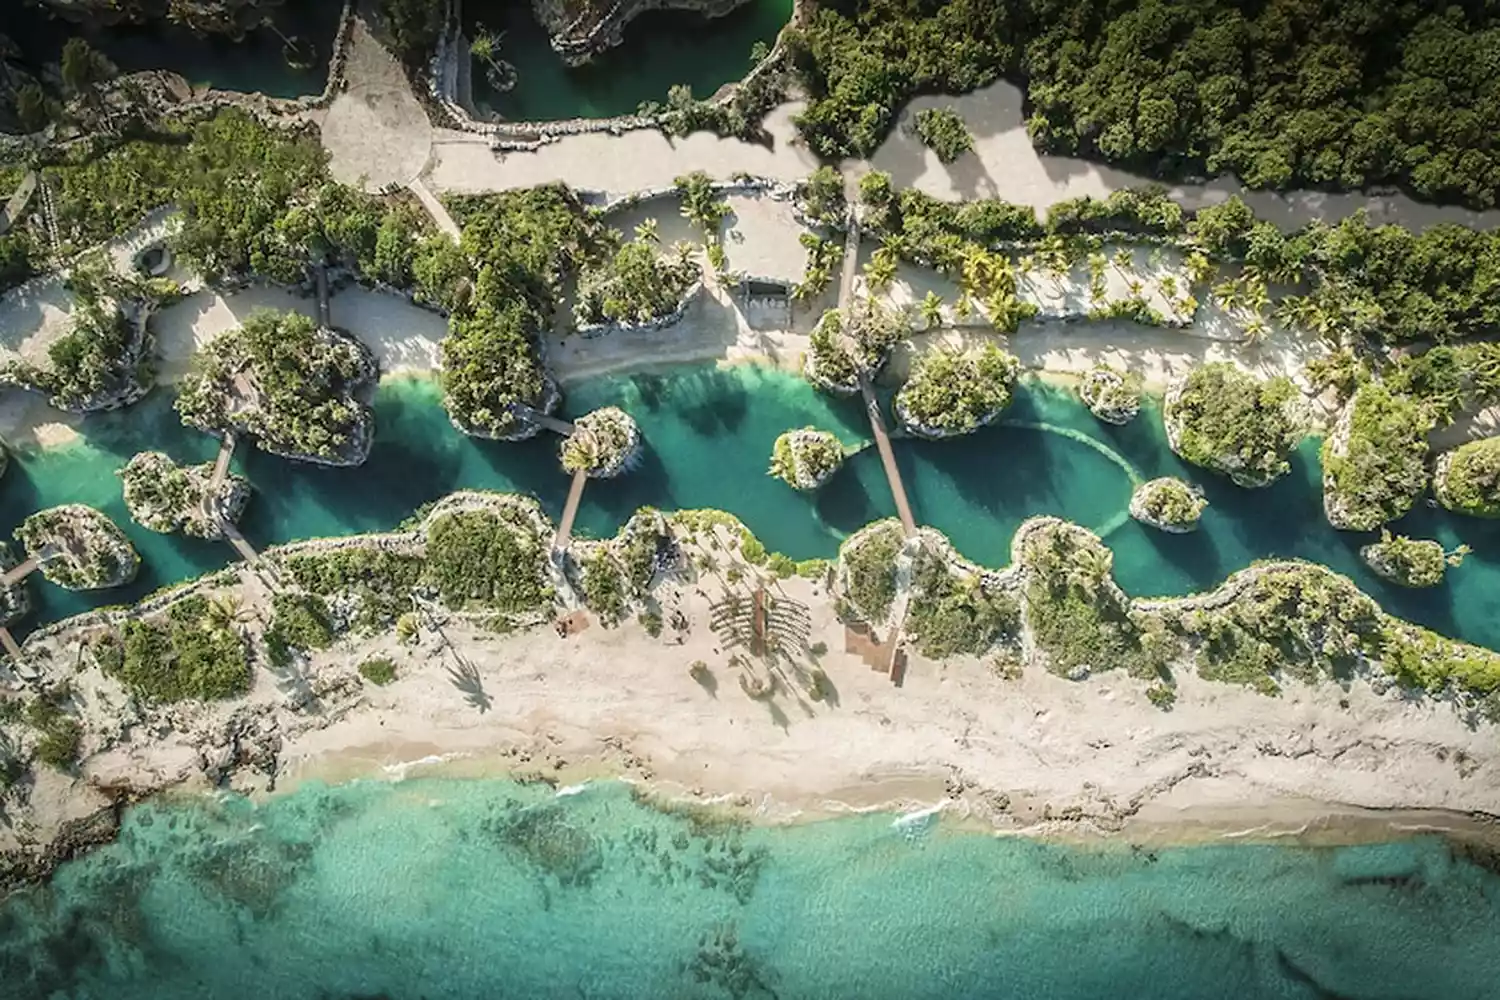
(223, 17)
(581, 29)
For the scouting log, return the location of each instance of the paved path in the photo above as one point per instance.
(376, 131)
(434, 208)
(872, 405)
(15, 208)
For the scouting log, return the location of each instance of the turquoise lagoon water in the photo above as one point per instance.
(486, 889)
(660, 48)
(709, 433)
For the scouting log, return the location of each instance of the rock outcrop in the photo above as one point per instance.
(79, 548)
(1169, 505)
(216, 17)
(581, 29)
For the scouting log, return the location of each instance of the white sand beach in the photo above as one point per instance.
(1038, 754)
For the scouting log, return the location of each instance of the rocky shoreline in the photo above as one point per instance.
(579, 35)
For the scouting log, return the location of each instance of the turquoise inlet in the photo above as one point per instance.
(483, 888)
(709, 433)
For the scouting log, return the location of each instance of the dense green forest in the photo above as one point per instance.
(1283, 93)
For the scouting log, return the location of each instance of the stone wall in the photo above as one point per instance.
(592, 330)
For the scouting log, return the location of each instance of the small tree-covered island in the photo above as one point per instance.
(807, 458)
(297, 390)
(1410, 562)
(1169, 504)
(956, 392)
(1467, 479)
(1229, 421)
(603, 444)
(167, 497)
(78, 548)
(390, 406)
(1111, 395)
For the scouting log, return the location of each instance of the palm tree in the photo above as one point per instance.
(1123, 260)
(895, 244)
(1090, 564)
(880, 271)
(1199, 267)
(1256, 330)
(1227, 294)
(648, 231)
(932, 310)
(1168, 286)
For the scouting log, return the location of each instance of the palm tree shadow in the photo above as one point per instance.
(465, 677)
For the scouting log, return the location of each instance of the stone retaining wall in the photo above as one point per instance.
(593, 330)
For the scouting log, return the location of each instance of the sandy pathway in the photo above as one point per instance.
(1004, 164)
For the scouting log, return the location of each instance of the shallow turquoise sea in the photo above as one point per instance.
(487, 889)
(709, 433)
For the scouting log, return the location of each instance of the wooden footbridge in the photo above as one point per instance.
(564, 533)
(872, 404)
(229, 529)
(13, 576)
(889, 656)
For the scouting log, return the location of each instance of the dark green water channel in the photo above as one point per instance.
(660, 48)
(709, 433)
(254, 63)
